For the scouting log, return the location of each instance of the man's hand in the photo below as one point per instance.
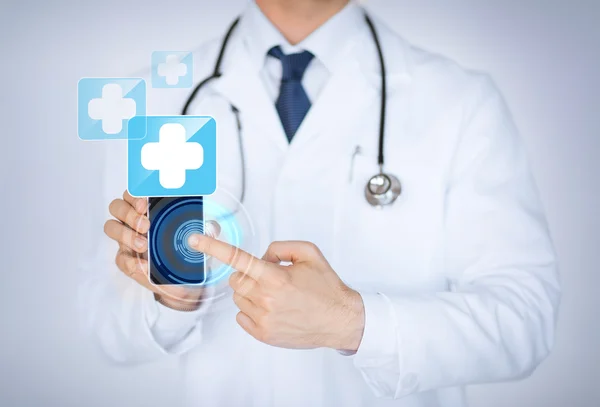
(303, 305)
(129, 229)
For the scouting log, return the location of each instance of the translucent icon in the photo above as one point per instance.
(177, 157)
(172, 69)
(105, 105)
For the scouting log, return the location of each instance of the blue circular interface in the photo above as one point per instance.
(182, 236)
(174, 220)
(172, 258)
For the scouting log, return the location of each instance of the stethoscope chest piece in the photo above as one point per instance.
(382, 189)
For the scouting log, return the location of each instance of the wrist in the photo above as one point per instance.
(351, 322)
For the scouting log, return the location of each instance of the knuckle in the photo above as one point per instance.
(264, 333)
(126, 236)
(247, 288)
(313, 248)
(239, 283)
(132, 218)
(262, 321)
(234, 280)
(130, 264)
(271, 251)
(268, 303)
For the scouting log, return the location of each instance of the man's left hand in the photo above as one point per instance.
(303, 305)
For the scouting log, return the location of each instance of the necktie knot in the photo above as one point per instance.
(293, 65)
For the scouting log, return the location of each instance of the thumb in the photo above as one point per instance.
(292, 251)
(212, 229)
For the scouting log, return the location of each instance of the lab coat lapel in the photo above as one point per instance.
(246, 91)
(355, 86)
(342, 98)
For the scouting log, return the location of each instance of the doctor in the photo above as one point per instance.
(453, 284)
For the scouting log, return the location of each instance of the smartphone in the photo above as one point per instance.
(171, 261)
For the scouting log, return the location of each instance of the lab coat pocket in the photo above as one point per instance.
(392, 247)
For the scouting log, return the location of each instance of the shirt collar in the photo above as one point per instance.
(325, 43)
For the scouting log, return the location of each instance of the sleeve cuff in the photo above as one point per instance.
(378, 343)
(175, 331)
(377, 357)
(168, 318)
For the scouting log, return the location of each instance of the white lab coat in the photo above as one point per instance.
(458, 277)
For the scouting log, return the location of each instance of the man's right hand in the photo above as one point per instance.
(129, 229)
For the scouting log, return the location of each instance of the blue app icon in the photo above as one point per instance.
(178, 156)
(172, 69)
(105, 105)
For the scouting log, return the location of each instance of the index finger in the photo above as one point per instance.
(234, 256)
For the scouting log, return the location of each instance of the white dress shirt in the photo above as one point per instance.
(323, 43)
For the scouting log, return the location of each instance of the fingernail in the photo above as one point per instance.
(140, 243)
(144, 224)
(193, 240)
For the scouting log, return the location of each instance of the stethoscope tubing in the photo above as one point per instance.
(373, 199)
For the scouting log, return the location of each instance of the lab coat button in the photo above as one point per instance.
(409, 382)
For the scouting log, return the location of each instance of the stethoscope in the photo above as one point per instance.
(382, 189)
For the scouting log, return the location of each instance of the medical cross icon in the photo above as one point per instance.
(172, 69)
(111, 108)
(177, 156)
(172, 155)
(106, 105)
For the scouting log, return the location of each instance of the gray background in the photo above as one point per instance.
(543, 54)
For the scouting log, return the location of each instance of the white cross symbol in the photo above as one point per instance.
(172, 155)
(112, 109)
(172, 69)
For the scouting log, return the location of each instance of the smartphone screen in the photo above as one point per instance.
(170, 258)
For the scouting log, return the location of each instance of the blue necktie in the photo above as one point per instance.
(292, 103)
